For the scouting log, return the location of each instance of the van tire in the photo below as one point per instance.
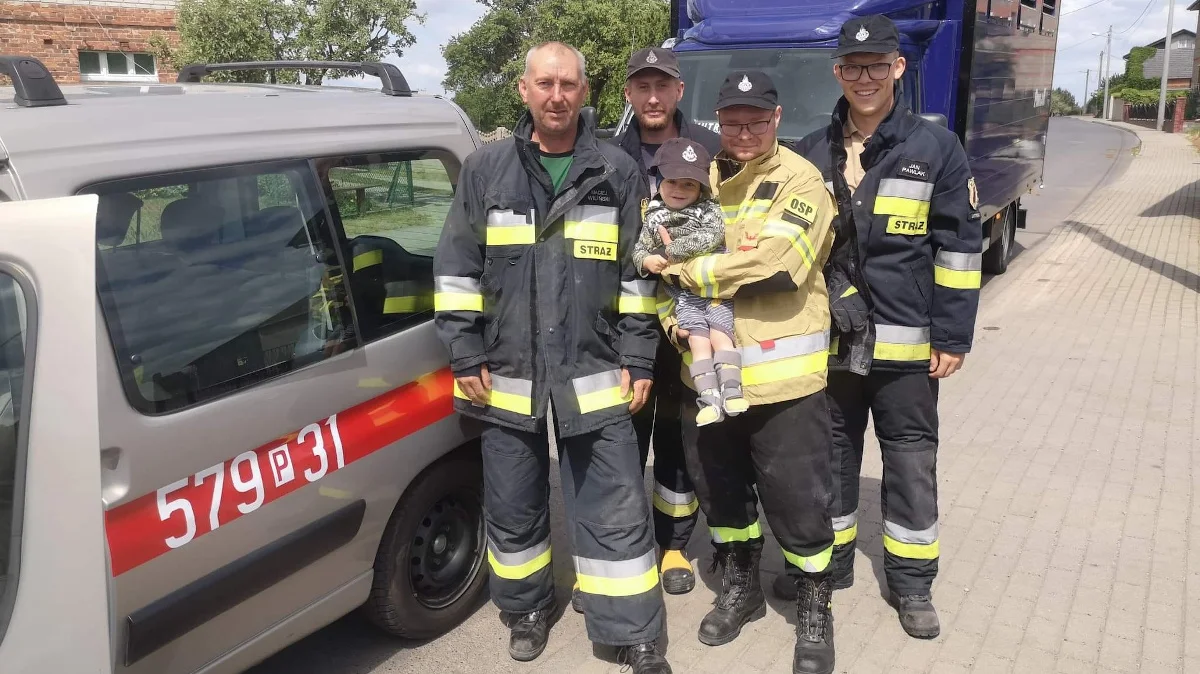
(453, 482)
(999, 254)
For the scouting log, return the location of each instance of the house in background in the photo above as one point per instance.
(90, 40)
(1182, 72)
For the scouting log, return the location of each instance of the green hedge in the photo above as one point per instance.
(1145, 96)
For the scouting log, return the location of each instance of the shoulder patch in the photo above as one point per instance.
(912, 169)
(799, 209)
(972, 192)
(645, 203)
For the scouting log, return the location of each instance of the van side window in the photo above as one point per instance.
(391, 209)
(13, 327)
(217, 280)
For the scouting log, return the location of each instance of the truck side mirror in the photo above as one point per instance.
(935, 117)
(589, 115)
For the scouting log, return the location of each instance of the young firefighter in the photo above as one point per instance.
(684, 221)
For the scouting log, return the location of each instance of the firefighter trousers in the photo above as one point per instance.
(608, 514)
(904, 408)
(674, 499)
(785, 450)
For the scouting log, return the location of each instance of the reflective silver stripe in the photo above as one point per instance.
(673, 497)
(604, 215)
(845, 522)
(924, 537)
(905, 189)
(518, 558)
(829, 186)
(625, 568)
(455, 284)
(595, 382)
(899, 334)
(505, 218)
(639, 288)
(959, 261)
(786, 347)
(521, 387)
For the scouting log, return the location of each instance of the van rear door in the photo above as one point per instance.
(54, 614)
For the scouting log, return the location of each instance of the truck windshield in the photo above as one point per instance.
(804, 77)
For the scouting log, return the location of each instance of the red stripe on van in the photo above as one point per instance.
(179, 513)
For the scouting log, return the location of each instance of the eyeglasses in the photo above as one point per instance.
(756, 128)
(876, 71)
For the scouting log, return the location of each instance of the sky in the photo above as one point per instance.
(1078, 50)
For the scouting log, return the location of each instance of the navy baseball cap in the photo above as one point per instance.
(874, 34)
(681, 158)
(748, 87)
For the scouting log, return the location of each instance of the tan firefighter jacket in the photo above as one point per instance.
(778, 237)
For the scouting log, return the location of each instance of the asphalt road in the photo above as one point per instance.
(1082, 157)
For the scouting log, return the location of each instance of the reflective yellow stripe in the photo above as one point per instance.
(673, 509)
(886, 351)
(505, 400)
(845, 536)
(814, 564)
(708, 280)
(619, 587)
(458, 302)
(519, 570)
(592, 231)
(833, 344)
(632, 304)
(787, 368)
(795, 235)
(599, 400)
(952, 278)
(665, 308)
(910, 550)
(512, 235)
(731, 535)
(907, 208)
(850, 291)
(408, 305)
(368, 259)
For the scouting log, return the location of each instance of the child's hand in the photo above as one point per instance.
(655, 264)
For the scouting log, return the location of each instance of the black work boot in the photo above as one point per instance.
(917, 615)
(645, 659)
(577, 598)
(814, 625)
(741, 597)
(529, 634)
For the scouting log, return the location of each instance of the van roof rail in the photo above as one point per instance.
(34, 85)
(393, 82)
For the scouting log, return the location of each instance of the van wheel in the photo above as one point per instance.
(998, 255)
(429, 568)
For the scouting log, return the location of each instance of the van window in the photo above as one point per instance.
(12, 404)
(391, 209)
(217, 280)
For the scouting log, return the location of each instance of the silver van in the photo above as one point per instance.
(225, 419)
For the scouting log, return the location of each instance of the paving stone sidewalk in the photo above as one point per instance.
(1070, 535)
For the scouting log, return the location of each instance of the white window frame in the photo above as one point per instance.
(105, 76)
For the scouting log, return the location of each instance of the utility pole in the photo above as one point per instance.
(1087, 79)
(1099, 75)
(1108, 74)
(1162, 94)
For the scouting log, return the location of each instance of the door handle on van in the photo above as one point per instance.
(114, 476)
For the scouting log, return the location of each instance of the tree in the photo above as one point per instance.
(485, 62)
(1062, 102)
(221, 31)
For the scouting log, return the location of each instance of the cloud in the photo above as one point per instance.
(1079, 50)
(422, 63)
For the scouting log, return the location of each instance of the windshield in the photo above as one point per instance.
(804, 77)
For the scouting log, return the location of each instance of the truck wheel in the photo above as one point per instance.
(997, 256)
(429, 568)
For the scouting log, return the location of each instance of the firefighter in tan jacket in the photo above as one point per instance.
(778, 236)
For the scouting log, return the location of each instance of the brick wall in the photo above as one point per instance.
(56, 32)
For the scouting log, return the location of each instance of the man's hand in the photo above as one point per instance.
(478, 389)
(641, 391)
(943, 364)
(655, 264)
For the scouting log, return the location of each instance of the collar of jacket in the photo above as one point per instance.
(729, 168)
(892, 131)
(586, 151)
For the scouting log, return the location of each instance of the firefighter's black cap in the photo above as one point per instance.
(748, 87)
(653, 58)
(874, 34)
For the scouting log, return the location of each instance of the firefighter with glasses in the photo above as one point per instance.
(904, 278)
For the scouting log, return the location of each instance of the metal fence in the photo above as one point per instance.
(500, 133)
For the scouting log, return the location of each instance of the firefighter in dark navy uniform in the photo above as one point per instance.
(538, 302)
(904, 286)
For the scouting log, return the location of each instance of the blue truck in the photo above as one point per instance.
(982, 67)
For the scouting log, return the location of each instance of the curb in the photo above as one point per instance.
(1121, 126)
